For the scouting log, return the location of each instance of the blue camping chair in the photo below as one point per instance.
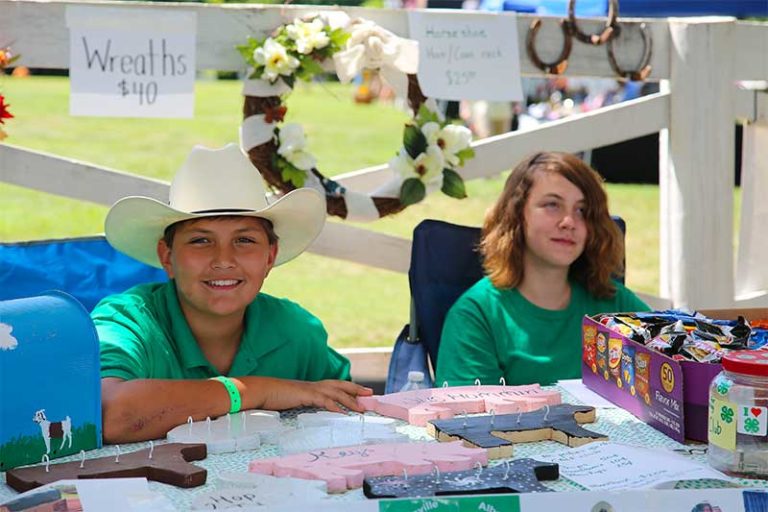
(444, 264)
(87, 268)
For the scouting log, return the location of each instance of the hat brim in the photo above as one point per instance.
(134, 225)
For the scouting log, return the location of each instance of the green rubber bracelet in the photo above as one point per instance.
(234, 395)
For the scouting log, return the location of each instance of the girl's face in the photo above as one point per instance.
(555, 229)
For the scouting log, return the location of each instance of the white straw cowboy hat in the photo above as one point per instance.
(215, 182)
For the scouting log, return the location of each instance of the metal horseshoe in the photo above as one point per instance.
(558, 66)
(644, 69)
(595, 39)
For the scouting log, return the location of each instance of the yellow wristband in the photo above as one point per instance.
(234, 395)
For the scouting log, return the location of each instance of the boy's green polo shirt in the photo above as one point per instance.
(143, 335)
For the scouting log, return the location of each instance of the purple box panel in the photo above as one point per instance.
(697, 377)
(669, 396)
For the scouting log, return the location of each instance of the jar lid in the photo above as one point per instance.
(750, 362)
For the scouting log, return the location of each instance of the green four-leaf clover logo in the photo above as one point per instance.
(723, 386)
(726, 414)
(751, 425)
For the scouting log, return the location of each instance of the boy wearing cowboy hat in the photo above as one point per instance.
(207, 342)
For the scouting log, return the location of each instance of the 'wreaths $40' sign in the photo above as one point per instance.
(131, 62)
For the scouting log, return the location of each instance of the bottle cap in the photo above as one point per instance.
(749, 362)
(416, 376)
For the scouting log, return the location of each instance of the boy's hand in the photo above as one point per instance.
(331, 394)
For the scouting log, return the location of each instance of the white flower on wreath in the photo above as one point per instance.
(275, 59)
(309, 35)
(427, 167)
(450, 139)
(292, 147)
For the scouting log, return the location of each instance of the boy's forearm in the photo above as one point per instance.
(143, 409)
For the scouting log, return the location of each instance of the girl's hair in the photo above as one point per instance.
(503, 237)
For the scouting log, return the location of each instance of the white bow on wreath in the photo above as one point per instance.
(372, 47)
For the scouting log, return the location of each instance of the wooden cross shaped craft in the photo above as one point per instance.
(166, 463)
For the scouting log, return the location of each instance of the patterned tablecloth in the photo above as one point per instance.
(619, 425)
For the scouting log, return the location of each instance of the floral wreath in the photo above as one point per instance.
(6, 59)
(432, 148)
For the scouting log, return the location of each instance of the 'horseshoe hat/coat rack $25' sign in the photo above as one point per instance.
(432, 149)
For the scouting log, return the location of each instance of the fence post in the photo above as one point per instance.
(697, 166)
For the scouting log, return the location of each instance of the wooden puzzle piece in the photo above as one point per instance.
(231, 432)
(324, 429)
(522, 475)
(422, 405)
(169, 464)
(345, 468)
(323, 418)
(337, 434)
(496, 433)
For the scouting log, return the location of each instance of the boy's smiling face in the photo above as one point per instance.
(219, 265)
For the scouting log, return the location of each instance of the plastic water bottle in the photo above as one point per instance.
(415, 381)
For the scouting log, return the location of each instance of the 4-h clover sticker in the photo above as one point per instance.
(723, 385)
(726, 414)
(752, 420)
(751, 425)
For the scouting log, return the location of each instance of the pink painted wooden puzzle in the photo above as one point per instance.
(422, 405)
(346, 468)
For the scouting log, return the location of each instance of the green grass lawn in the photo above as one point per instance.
(359, 305)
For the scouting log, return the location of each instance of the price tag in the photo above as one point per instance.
(131, 62)
(722, 423)
(470, 56)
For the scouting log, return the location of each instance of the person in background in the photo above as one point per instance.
(550, 252)
(207, 342)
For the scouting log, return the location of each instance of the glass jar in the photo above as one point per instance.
(738, 415)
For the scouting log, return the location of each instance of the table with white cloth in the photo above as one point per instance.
(617, 424)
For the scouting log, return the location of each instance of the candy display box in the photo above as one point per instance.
(671, 396)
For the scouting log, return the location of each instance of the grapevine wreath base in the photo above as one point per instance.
(432, 149)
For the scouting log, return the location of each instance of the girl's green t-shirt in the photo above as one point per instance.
(491, 333)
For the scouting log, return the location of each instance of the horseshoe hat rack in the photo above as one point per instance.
(610, 33)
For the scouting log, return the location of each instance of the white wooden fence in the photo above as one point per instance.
(698, 60)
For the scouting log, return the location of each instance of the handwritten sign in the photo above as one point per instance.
(250, 490)
(469, 57)
(610, 466)
(131, 62)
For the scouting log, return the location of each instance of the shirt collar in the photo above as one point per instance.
(255, 343)
(189, 351)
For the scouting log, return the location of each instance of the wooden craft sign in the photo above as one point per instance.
(167, 463)
(559, 423)
(231, 432)
(422, 405)
(522, 475)
(131, 62)
(346, 468)
(50, 387)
